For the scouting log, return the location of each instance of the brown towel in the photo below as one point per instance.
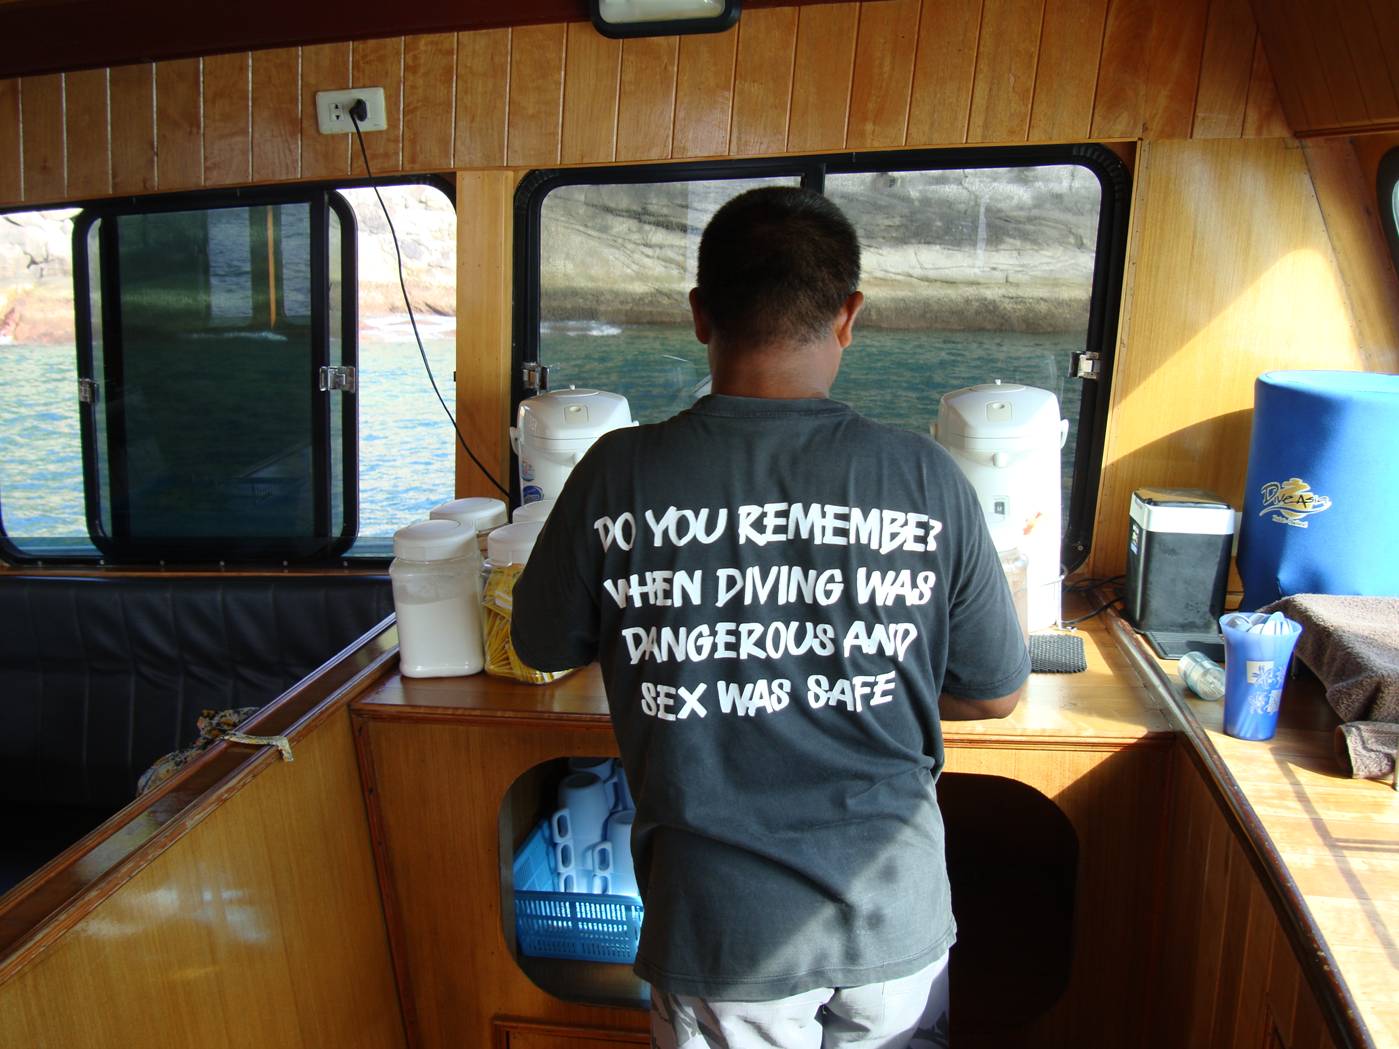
(1352, 645)
(1366, 749)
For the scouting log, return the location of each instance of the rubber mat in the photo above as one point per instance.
(1057, 654)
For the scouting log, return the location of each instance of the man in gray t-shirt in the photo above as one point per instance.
(786, 600)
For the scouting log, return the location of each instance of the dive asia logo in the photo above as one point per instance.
(1291, 502)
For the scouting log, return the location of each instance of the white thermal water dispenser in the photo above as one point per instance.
(554, 429)
(1007, 439)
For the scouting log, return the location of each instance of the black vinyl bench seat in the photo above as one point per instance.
(99, 677)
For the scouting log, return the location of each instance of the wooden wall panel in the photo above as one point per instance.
(1337, 63)
(276, 114)
(429, 101)
(646, 98)
(86, 133)
(1345, 187)
(485, 201)
(41, 118)
(261, 926)
(1230, 977)
(592, 76)
(179, 125)
(1066, 71)
(325, 67)
(948, 41)
(1207, 309)
(227, 96)
(883, 79)
(11, 180)
(763, 81)
(1225, 69)
(378, 63)
(1150, 69)
(1263, 113)
(483, 83)
(822, 69)
(133, 128)
(704, 86)
(536, 95)
(831, 76)
(1005, 70)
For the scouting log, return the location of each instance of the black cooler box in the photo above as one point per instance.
(1177, 559)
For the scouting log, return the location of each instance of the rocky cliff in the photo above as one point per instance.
(984, 250)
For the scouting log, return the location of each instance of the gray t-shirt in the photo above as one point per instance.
(777, 592)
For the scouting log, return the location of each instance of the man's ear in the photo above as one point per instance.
(845, 319)
(703, 329)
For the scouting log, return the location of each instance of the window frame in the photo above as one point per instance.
(1104, 300)
(1386, 182)
(338, 553)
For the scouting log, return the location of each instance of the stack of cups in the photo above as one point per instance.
(590, 834)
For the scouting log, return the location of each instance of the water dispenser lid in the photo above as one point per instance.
(998, 411)
(572, 415)
(432, 541)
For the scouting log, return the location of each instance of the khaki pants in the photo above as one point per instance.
(908, 1012)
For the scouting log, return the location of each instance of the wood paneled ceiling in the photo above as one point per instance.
(50, 36)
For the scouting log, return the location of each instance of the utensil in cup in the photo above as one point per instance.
(1257, 651)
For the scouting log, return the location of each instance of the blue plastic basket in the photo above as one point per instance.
(573, 925)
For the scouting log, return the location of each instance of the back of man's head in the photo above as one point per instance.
(775, 266)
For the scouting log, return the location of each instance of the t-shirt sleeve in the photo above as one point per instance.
(554, 622)
(986, 655)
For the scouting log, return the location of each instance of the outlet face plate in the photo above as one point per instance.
(332, 110)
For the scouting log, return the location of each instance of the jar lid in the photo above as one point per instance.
(511, 545)
(476, 512)
(535, 511)
(432, 541)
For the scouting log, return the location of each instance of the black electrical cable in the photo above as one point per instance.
(355, 119)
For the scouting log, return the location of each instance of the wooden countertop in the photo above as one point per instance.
(1107, 705)
(1335, 839)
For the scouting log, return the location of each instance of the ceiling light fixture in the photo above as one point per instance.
(623, 18)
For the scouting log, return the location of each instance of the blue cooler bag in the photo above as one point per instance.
(1321, 503)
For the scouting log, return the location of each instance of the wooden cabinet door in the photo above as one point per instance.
(525, 1034)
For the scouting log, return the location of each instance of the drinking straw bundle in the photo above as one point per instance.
(497, 606)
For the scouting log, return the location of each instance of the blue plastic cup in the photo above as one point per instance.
(1255, 668)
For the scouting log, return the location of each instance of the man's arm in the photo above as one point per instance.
(954, 708)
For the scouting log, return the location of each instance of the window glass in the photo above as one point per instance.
(41, 490)
(407, 450)
(970, 276)
(209, 415)
(617, 263)
(979, 265)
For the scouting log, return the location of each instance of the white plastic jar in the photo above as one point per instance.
(479, 513)
(435, 573)
(507, 550)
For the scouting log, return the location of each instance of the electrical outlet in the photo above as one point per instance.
(333, 110)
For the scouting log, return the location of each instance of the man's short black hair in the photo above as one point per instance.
(777, 264)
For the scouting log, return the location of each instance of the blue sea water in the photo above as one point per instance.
(407, 448)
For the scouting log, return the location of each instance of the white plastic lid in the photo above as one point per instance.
(573, 414)
(477, 512)
(535, 511)
(511, 545)
(998, 411)
(432, 541)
